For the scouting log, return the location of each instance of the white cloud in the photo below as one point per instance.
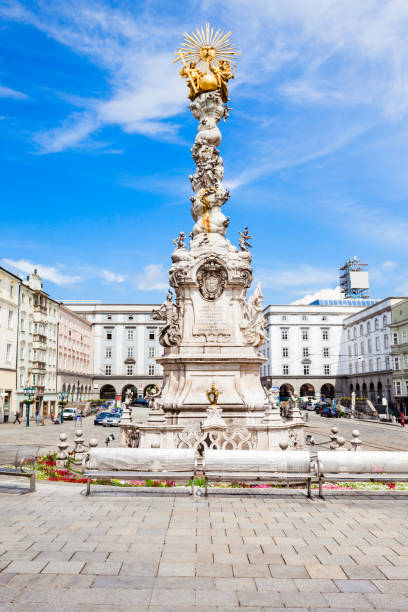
(49, 273)
(322, 294)
(154, 277)
(6, 92)
(301, 275)
(389, 265)
(112, 277)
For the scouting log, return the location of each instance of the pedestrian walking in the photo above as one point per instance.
(37, 412)
(17, 418)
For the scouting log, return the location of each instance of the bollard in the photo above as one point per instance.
(341, 442)
(333, 438)
(62, 456)
(93, 443)
(79, 448)
(355, 441)
(283, 445)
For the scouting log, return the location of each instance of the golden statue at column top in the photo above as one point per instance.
(206, 56)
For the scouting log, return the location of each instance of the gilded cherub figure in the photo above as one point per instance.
(223, 74)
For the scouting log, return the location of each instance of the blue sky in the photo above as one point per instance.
(96, 136)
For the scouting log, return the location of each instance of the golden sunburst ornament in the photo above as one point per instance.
(206, 57)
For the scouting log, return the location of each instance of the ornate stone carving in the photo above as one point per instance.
(211, 278)
(170, 334)
(244, 243)
(253, 323)
(230, 439)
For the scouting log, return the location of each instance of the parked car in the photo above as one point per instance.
(308, 406)
(69, 414)
(112, 420)
(140, 401)
(319, 407)
(100, 417)
(330, 412)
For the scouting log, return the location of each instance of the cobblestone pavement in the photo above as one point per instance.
(374, 435)
(48, 435)
(120, 550)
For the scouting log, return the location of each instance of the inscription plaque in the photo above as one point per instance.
(211, 321)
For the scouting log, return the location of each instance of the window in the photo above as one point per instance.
(377, 343)
(349, 350)
(130, 317)
(109, 317)
(350, 368)
(354, 333)
(386, 341)
(324, 317)
(363, 366)
(397, 387)
(361, 329)
(378, 363)
(404, 336)
(109, 334)
(396, 363)
(306, 370)
(326, 370)
(369, 346)
(130, 370)
(405, 362)
(325, 334)
(10, 319)
(387, 363)
(376, 324)
(285, 370)
(284, 317)
(305, 334)
(362, 347)
(151, 370)
(349, 334)
(305, 351)
(108, 370)
(355, 349)
(370, 365)
(8, 352)
(284, 334)
(326, 351)
(151, 352)
(368, 327)
(304, 317)
(130, 351)
(285, 351)
(22, 325)
(11, 290)
(395, 338)
(384, 321)
(151, 334)
(108, 352)
(130, 334)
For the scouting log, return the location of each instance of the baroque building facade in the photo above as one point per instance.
(366, 367)
(302, 348)
(399, 354)
(75, 352)
(9, 303)
(125, 341)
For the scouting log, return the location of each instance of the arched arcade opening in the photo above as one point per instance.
(108, 392)
(307, 390)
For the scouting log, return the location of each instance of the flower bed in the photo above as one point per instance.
(47, 470)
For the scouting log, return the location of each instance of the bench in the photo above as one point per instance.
(362, 466)
(143, 463)
(257, 466)
(15, 459)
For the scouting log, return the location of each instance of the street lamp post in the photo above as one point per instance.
(29, 393)
(62, 400)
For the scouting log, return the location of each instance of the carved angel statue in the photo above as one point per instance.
(271, 397)
(179, 241)
(128, 396)
(244, 243)
(253, 323)
(153, 399)
(169, 312)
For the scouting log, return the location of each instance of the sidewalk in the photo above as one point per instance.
(118, 550)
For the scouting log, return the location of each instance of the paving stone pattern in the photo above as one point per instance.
(120, 550)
